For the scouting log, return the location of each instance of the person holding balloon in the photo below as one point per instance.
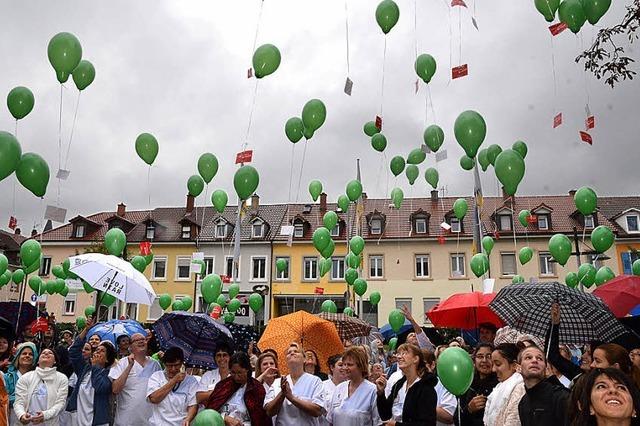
(502, 403)
(447, 402)
(473, 401)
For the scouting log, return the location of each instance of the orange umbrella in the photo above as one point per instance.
(312, 332)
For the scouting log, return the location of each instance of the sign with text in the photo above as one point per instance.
(557, 120)
(244, 157)
(557, 28)
(460, 71)
(586, 138)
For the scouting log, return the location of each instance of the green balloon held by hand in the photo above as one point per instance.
(147, 147)
(294, 128)
(470, 130)
(314, 114)
(20, 102)
(379, 142)
(246, 181)
(354, 190)
(219, 199)
(84, 74)
(397, 165)
(10, 154)
(195, 185)
(416, 156)
(266, 60)
(432, 177)
(425, 67)
(387, 14)
(370, 128)
(571, 13)
(509, 169)
(64, 52)
(412, 173)
(33, 173)
(115, 241)
(433, 137)
(315, 189)
(208, 166)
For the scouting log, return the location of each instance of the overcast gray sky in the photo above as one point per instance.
(178, 70)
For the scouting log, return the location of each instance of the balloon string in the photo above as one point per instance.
(149, 187)
(513, 227)
(59, 145)
(304, 154)
(293, 146)
(346, 25)
(255, 37)
(555, 82)
(460, 31)
(73, 126)
(204, 211)
(253, 104)
(15, 133)
(384, 57)
(584, 73)
(415, 27)
(450, 41)
(433, 111)
(14, 179)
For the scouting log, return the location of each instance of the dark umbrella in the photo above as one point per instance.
(583, 317)
(7, 329)
(11, 312)
(348, 327)
(243, 335)
(198, 335)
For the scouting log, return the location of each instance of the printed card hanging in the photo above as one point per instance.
(441, 239)
(244, 157)
(557, 120)
(460, 71)
(557, 28)
(590, 122)
(348, 86)
(62, 174)
(250, 73)
(145, 248)
(458, 3)
(586, 138)
(56, 214)
(378, 122)
(13, 223)
(475, 23)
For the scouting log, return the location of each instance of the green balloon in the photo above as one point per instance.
(343, 203)
(492, 153)
(397, 196)
(37, 285)
(412, 173)
(245, 181)
(353, 261)
(587, 274)
(211, 287)
(416, 156)
(571, 13)
(523, 217)
(330, 220)
(425, 67)
(147, 147)
(219, 199)
(379, 142)
(60, 286)
(460, 208)
(87, 288)
(525, 255)
(517, 279)
(348, 311)
(266, 60)
(281, 265)
(602, 238)
(455, 370)
(5, 276)
(84, 74)
(208, 417)
(140, 263)
(234, 305)
(387, 14)
(397, 165)
(10, 154)
(604, 275)
(65, 53)
(315, 189)
(33, 173)
(547, 8)
(18, 276)
(360, 286)
(222, 300)
(308, 133)
(586, 200)
(255, 302)
(560, 248)
(521, 148)
(595, 9)
(20, 102)
(81, 323)
(89, 311)
(229, 317)
(30, 252)
(50, 287)
(313, 114)
(354, 190)
(234, 289)
(466, 163)
(115, 241)
(370, 128)
(177, 306)
(329, 306)
(470, 131)
(487, 244)
(351, 275)
(509, 169)
(433, 137)
(635, 267)
(356, 244)
(148, 258)
(572, 280)
(480, 264)
(328, 250)
(207, 166)
(396, 320)
(324, 265)
(293, 128)
(195, 185)
(483, 159)
(432, 177)
(165, 301)
(393, 342)
(374, 298)
(321, 238)
(33, 267)
(58, 271)
(107, 299)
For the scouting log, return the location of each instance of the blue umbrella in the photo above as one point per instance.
(198, 335)
(113, 329)
(387, 332)
(635, 311)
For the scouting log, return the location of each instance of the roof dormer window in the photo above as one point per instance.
(589, 222)
(186, 231)
(298, 229)
(335, 232)
(455, 225)
(505, 222)
(221, 229)
(151, 231)
(632, 223)
(421, 225)
(257, 229)
(78, 232)
(543, 222)
(376, 226)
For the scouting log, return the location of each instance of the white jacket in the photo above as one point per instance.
(57, 389)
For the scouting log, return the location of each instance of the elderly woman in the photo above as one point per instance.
(354, 401)
(298, 399)
(23, 362)
(41, 394)
(240, 398)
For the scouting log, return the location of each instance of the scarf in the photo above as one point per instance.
(46, 374)
(499, 397)
(22, 347)
(254, 395)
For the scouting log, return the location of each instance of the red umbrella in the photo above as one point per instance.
(621, 294)
(464, 310)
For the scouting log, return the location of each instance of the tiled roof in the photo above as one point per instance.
(312, 214)
(612, 207)
(10, 241)
(94, 233)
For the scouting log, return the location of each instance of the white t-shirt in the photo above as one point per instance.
(328, 388)
(446, 400)
(392, 380)
(209, 380)
(172, 410)
(236, 408)
(309, 388)
(132, 406)
(85, 401)
(359, 409)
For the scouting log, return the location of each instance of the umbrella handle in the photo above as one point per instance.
(99, 299)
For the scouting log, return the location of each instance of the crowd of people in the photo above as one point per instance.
(88, 381)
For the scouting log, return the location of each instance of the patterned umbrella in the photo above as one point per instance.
(11, 312)
(197, 335)
(113, 329)
(583, 317)
(348, 327)
(242, 335)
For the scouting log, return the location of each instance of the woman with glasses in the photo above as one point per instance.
(473, 401)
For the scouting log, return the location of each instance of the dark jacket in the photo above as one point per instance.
(563, 365)
(478, 387)
(419, 405)
(544, 404)
(99, 380)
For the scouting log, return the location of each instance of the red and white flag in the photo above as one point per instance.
(460, 71)
(586, 138)
(13, 222)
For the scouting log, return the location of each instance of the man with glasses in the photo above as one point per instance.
(484, 380)
(129, 378)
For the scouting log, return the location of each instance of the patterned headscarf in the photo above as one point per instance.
(23, 346)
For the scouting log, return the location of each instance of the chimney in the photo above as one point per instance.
(434, 196)
(122, 208)
(190, 202)
(572, 192)
(364, 195)
(17, 231)
(255, 202)
(34, 232)
(323, 202)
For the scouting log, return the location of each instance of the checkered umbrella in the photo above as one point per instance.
(348, 327)
(583, 317)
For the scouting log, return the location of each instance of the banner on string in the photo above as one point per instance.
(532, 219)
(590, 122)
(557, 120)
(56, 214)
(445, 226)
(557, 28)
(226, 279)
(458, 3)
(63, 174)
(13, 223)
(460, 71)
(244, 157)
(145, 248)
(348, 86)
(378, 122)
(586, 138)
(441, 239)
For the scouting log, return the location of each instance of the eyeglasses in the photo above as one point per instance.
(138, 340)
(481, 357)
(634, 353)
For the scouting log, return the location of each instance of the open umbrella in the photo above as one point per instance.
(387, 332)
(583, 317)
(114, 276)
(198, 335)
(348, 327)
(113, 329)
(11, 311)
(464, 310)
(242, 335)
(621, 294)
(312, 332)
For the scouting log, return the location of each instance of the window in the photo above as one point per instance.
(70, 304)
(208, 265)
(376, 226)
(186, 231)
(159, 268)
(427, 304)
(421, 226)
(257, 230)
(45, 266)
(422, 265)
(310, 268)
(595, 261)
(404, 301)
(375, 266)
(284, 274)
(457, 265)
(221, 230)
(337, 268)
(335, 232)
(589, 222)
(369, 313)
(455, 225)
(508, 263)
(298, 230)
(79, 232)
(155, 311)
(151, 232)
(183, 268)
(543, 222)
(632, 224)
(547, 267)
(258, 268)
(504, 222)
(228, 268)
(131, 311)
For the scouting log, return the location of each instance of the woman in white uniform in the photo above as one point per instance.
(211, 378)
(354, 401)
(267, 374)
(41, 394)
(298, 400)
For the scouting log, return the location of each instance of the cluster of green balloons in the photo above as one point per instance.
(387, 14)
(574, 13)
(314, 114)
(31, 169)
(266, 60)
(207, 169)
